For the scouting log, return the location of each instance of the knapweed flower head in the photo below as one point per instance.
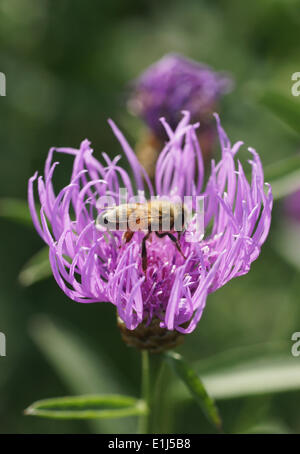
(91, 264)
(173, 84)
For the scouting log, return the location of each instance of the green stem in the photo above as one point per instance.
(151, 365)
(144, 419)
(162, 415)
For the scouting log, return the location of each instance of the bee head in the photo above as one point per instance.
(107, 219)
(114, 218)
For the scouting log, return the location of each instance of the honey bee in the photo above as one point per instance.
(160, 217)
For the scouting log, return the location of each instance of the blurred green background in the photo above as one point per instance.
(67, 65)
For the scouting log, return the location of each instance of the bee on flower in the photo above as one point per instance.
(158, 279)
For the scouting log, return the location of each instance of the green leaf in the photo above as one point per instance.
(105, 406)
(282, 168)
(267, 376)
(15, 210)
(230, 358)
(36, 269)
(284, 107)
(195, 387)
(262, 376)
(267, 427)
(284, 176)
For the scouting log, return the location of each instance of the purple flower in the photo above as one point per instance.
(91, 265)
(173, 84)
(292, 206)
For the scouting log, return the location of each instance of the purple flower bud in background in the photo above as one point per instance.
(292, 206)
(168, 87)
(93, 265)
(173, 84)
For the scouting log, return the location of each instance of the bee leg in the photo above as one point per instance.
(144, 252)
(127, 236)
(177, 244)
(172, 238)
